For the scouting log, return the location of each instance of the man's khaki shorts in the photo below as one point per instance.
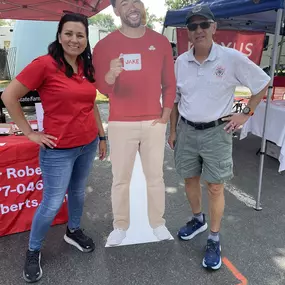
(206, 153)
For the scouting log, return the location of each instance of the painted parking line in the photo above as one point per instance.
(235, 272)
(245, 198)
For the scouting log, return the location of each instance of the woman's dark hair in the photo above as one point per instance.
(56, 51)
(113, 2)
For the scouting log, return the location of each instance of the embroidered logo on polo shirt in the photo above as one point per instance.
(152, 48)
(220, 71)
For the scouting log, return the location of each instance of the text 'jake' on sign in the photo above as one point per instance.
(131, 61)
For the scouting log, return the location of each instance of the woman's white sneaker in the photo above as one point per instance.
(116, 237)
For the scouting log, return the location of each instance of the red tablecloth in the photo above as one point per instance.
(21, 185)
(279, 81)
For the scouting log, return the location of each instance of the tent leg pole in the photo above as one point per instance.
(269, 94)
(262, 154)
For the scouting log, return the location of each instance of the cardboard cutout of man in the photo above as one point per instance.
(134, 65)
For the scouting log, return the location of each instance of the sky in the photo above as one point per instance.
(156, 7)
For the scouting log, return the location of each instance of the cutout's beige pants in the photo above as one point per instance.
(126, 138)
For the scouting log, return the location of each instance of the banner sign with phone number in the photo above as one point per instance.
(21, 187)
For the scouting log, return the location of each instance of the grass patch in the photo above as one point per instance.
(242, 94)
(4, 83)
(100, 99)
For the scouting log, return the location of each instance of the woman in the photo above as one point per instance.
(72, 129)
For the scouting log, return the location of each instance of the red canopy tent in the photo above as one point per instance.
(48, 10)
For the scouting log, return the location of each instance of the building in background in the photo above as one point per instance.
(6, 34)
(95, 35)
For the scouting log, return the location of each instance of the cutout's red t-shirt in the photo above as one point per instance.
(136, 94)
(68, 103)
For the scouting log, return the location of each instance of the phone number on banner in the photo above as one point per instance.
(22, 188)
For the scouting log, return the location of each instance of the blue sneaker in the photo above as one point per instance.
(212, 257)
(192, 228)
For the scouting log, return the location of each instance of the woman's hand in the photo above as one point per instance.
(42, 139)
(102, 149)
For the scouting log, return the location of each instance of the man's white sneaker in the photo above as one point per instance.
(162, 233)
(116, 237)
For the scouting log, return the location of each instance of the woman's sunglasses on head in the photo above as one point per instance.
(204, 25)
(74, 13)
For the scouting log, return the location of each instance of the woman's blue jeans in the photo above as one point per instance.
(62, 169)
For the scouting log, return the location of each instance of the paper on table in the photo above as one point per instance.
(40, 116)
(279, 103)
(4, 130)
(34, 126)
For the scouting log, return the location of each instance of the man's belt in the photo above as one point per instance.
(203, 126)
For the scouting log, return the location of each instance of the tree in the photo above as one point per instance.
(10, 22)
(103, 21)
(177, 4)
(151, 19)
(3, 23)
(7, 22)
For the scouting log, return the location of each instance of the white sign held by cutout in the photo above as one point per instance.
(131, 61)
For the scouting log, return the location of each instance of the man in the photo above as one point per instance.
(206, 79)
(134, 66)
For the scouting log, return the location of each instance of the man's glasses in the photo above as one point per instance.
(194, 26)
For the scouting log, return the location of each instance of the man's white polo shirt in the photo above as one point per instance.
(205, 92)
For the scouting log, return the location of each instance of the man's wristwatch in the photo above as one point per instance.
(247, 111)
(102, 138)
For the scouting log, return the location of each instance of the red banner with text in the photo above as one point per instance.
(249, 43)
(21, 188)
